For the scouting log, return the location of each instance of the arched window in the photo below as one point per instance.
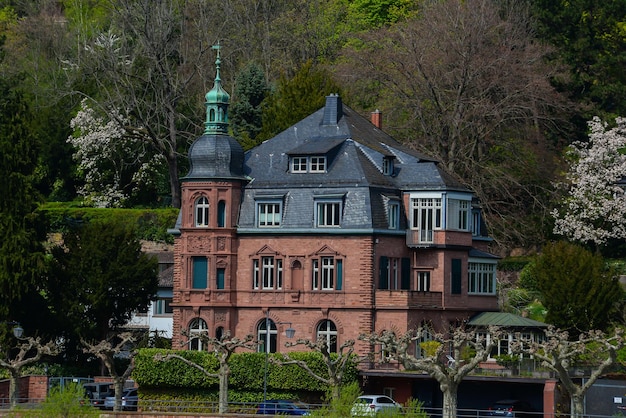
(267, 339)
(221, 214)
(421, 349)
(328, 331)
(212, 115)
(219, 333)
(202, 211)
(197, 327)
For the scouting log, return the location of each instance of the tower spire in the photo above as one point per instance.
(216, 101)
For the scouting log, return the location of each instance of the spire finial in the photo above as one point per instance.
(217, 61)
(216, 102)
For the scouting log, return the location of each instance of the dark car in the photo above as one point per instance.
(510, 408)
(283, 407)
(129, 400)
(98, 392)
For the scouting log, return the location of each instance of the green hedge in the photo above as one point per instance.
(247, 372)
(151, 224)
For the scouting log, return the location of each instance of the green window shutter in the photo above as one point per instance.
(200, 272)
(338, 265)
(221, 214)
(383, 274)
(220, 278)
(405, 278)
(456, 276)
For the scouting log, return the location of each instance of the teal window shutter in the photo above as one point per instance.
(220, 278)
(200, 272)
(405, 278)
(456, 276)
(221, 214)
(338, 265)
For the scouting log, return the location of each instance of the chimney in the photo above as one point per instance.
(333, 110)
(377, 119)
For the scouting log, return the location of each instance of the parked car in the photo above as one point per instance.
(368, 405)
(510, 408)
(97, 393)
(130, 398)
(283, 407)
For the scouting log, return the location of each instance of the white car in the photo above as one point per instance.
(368, 405)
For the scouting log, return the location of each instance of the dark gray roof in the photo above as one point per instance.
(215, 156)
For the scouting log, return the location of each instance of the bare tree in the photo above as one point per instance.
(223, 348)
(106, 351)
(453, 357)
(558, 353)
(336, 363)
(466, 83)
(28, 351)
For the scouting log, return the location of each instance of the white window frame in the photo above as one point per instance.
(267, 273)
(269, 214)
(317, 164)
(427, 216)
(201, 209)
(197, 327)
(459, 214)
(481, 277)
(328, 213)
(328, 330)
(393, 215)
(324, 275)
(423, 281)
(299, 164)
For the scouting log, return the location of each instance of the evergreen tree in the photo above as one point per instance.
(295, 98)
(578, 289)
(22, 230)
(245, 113)
(99, 277)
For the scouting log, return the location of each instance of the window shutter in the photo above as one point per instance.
(456, 276)
(405, 281)
(338, 265)
(383, 273)
(220, 278)
(200, 271)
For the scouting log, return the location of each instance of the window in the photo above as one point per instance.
(458, 214)
(476, 227)
(266, 335)
(269, 214)
(327, 273)
(219, 333)
(313, 164)
(299, 165)
(426, 217)
(393, 215)
(268, 273)
(456, 268)
(328, 214)
(197, 331)
(162, 306)
(423, 281)
(420, 347)
(327, 330)
(394, 273)
(202, 212)
(220, 278)
(221, 214)
(317, 165)
(387, 166)
(199, 273)
(482, 278)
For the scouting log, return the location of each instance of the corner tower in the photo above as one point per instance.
(206, 242)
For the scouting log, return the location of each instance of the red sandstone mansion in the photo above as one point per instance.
(331, 228)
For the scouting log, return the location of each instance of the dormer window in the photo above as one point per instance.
(388, 166)
(312, 164)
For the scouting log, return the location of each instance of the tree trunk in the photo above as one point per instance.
(578, 408)
(449, 402)
(223, 400)
(14, 388)
(172, 167)
(119, 390)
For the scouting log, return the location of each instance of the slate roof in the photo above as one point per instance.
(355, 150)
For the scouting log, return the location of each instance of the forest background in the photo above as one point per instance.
(495, 90)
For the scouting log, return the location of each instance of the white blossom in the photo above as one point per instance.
(595, 207)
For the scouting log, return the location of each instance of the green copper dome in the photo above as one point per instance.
(216, 101)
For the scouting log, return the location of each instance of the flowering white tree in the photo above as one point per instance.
(595, 208)
(114, 163)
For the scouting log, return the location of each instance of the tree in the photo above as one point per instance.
(99, 278)
(295, 98)
(466, 83)
(223, 348)
(577, 288)
(594, 210)
(116, 169)
(246, 113)
(107, 350)
(28, 351)
(558, 353)
(22, 228)
(448, 368)
(336, 363)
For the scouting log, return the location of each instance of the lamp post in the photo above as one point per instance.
(289, 332)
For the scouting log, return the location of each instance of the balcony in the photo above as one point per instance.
(408, 299)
